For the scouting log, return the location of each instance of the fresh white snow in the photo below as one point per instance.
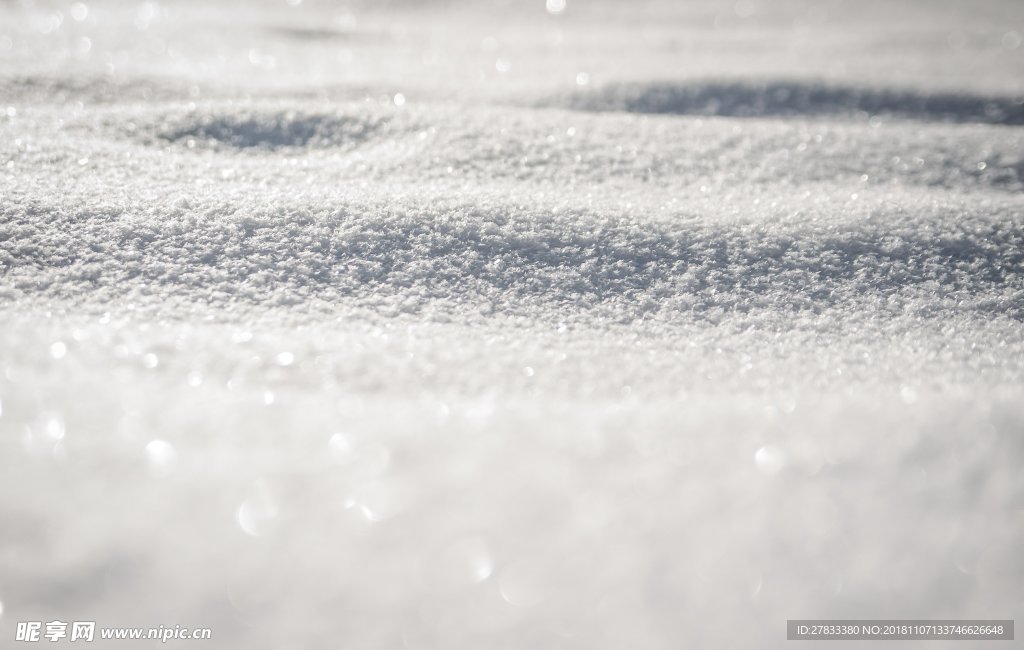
(510, 324)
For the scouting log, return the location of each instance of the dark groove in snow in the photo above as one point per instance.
(794, 99)
(274, 130)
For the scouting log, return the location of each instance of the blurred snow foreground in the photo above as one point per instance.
(510, 324)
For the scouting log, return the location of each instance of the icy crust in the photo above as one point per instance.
(389, 346)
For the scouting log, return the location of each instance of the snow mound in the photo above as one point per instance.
(52, 88)
(501, 252)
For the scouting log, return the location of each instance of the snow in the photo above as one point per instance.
(524, 324)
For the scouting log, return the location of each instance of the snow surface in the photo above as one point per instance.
(448, 325)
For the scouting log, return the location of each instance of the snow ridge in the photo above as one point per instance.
(459, 253)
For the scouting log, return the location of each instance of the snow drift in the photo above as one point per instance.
(440, 326)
